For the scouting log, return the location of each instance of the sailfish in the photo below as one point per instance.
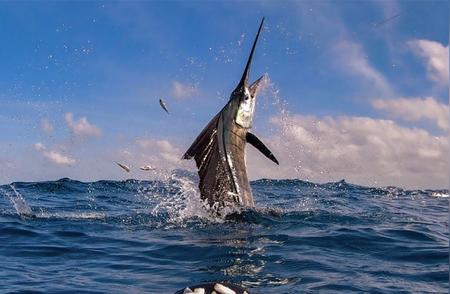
(219, 150)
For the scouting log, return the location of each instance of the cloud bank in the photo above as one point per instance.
(415, 109)
(362, 150)
(53, 155)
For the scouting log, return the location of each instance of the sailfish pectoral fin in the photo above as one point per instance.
(252, 139)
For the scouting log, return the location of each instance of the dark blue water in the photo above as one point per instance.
(150, 237)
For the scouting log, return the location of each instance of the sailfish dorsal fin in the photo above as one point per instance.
(215, 179)
(200, 143)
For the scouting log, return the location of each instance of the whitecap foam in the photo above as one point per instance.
(439, 194)
(72, 215)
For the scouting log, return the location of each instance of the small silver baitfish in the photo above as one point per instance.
(163, 105)
(147, 168)
(125, 167)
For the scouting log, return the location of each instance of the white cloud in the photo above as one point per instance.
(82, 127)
(180, 90)
(331, 35)
(436, 57)
(53, 155)
(46, 126)
(359, 149)
(352, 59)
(414, 109)
(39, 147)
(161, 152)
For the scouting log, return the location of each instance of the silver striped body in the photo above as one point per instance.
(233, 142)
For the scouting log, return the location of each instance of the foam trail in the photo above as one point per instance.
(73, 215)
(21, 207)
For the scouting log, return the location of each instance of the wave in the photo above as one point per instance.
(176, 201)
(301, 237)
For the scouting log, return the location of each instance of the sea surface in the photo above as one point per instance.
(135, 236)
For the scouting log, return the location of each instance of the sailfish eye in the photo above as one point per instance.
(246, 94)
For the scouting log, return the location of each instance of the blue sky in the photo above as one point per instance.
(82, 81)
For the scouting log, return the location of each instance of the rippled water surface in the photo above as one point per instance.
(153, 237)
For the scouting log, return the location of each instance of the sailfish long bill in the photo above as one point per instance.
(219, 150)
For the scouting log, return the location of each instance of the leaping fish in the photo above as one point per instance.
(219, 150)
(163, 105)
(147, 167)
(125, 167)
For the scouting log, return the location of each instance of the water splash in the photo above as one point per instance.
(281, 127)
(178, 199)
(21, 207)
(193, 205)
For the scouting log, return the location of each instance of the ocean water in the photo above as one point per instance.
(134, 236)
